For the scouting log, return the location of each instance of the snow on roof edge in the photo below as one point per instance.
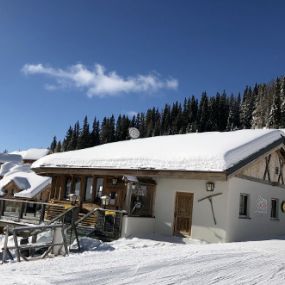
(222, 154)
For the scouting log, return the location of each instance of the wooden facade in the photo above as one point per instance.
(89, 189)
(11, 188)
(268, 169)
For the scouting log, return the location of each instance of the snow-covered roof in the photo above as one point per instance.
(32, 153)
(9, 157)
(5, 167)
(210, 151)
(28, 181)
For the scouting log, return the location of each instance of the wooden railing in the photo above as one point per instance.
(27, 250)
(98, 222)
(17, 210)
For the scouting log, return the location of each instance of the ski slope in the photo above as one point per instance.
(142, 261)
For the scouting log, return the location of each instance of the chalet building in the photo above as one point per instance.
(21, 182)
(217, 187)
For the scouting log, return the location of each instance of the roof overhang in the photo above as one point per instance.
(183, 174)
(209, 175)
(255, 156)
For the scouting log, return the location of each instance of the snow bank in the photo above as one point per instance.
(90, 244)
(212, 151)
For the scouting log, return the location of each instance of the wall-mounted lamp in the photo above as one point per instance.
(114, 181)
(72, 198)
(105, 200)
(210, 186)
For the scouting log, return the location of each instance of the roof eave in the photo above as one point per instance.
(235, 169)
(208, 175)
(202, 175)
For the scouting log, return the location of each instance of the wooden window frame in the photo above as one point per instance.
(276, 213)
(85, 189)
(241, 214)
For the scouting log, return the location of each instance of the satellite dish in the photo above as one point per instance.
(134, 133)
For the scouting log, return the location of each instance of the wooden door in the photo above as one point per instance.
(183, 213)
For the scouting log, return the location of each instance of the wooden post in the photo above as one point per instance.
(5, 244)
(42, 216)
(64, 240)
(16, 246)
(94, 185)
(1, 208)
(34, 240)
(21, 210)
(82, 190)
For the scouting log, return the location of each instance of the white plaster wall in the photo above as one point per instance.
(259, 226)
(203, 226)
(137, 226)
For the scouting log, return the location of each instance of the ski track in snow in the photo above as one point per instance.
(141, 261)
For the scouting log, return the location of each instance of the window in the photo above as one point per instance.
(89, 189)
(68, 184)
(274, 209)
(141, 200)
(99, 187)
(243, 205)
(77, 186)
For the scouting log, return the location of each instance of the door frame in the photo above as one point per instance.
(177, 194)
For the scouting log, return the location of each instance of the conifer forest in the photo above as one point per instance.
(259, 106)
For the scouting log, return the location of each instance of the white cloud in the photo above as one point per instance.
(98, 82)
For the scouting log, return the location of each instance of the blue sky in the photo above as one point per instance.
(62, 60)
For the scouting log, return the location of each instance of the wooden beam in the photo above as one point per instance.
(259, 180)
(239, 167)
(203, 175)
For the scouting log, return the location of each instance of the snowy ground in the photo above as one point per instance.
(143, 261)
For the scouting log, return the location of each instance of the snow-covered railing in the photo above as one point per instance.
(26, 243)
(17, 210)
(102, 228)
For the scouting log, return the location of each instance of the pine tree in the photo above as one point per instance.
(67, 139)
(58, 147)
(107, 132)
(233, 121)
(53, 144)
(247, 108)
(264, 105)
(192, 115)
(203, 113)
(140, 123)
(176, 118)
(282, 107)
(165, 120)
(84, 139)
(122, 127)
(223, 112)
(72, 145)
(149, 122)
(274, 119)
(157, 124)
(95, 134)
(212, 123)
